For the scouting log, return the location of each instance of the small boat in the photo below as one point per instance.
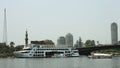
(100, 56)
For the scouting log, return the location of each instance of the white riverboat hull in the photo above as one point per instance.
(40, 52)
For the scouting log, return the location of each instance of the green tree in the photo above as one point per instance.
(12, 43)
(43, 42)
(49, 42)
(12, 49)
(19, 47)
(5, 51)
(89, 43)
(118, 42)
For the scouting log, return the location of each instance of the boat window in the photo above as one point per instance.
(27, 49)
(25, 52)
(75, 51)
(67, 51)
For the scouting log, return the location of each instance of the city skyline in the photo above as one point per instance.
(50, 19)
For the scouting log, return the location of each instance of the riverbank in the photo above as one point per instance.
(6, 55)
(7, 51)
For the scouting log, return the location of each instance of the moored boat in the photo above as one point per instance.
(35, 51)
(100, 56)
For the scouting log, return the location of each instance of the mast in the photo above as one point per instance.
(5, 28)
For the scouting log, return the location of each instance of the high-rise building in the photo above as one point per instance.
(78, 43)
(61, 40)
(69, 40)
(114, 33)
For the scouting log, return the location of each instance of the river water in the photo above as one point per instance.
(73, 62)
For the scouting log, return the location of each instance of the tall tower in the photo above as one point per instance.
(26, 39)
(114, 33)
(5, 29)
(69, 40)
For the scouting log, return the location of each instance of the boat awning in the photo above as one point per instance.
(101, 54)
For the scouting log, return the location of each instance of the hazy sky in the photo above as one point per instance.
(49, 19)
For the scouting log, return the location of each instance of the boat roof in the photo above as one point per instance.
(101, 54)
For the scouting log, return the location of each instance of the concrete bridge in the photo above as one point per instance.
(88, 50)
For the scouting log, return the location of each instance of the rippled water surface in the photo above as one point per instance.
(73, 62)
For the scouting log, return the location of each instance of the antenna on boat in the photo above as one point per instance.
(5, 28)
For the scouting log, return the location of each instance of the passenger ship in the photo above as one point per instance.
(34, 51)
